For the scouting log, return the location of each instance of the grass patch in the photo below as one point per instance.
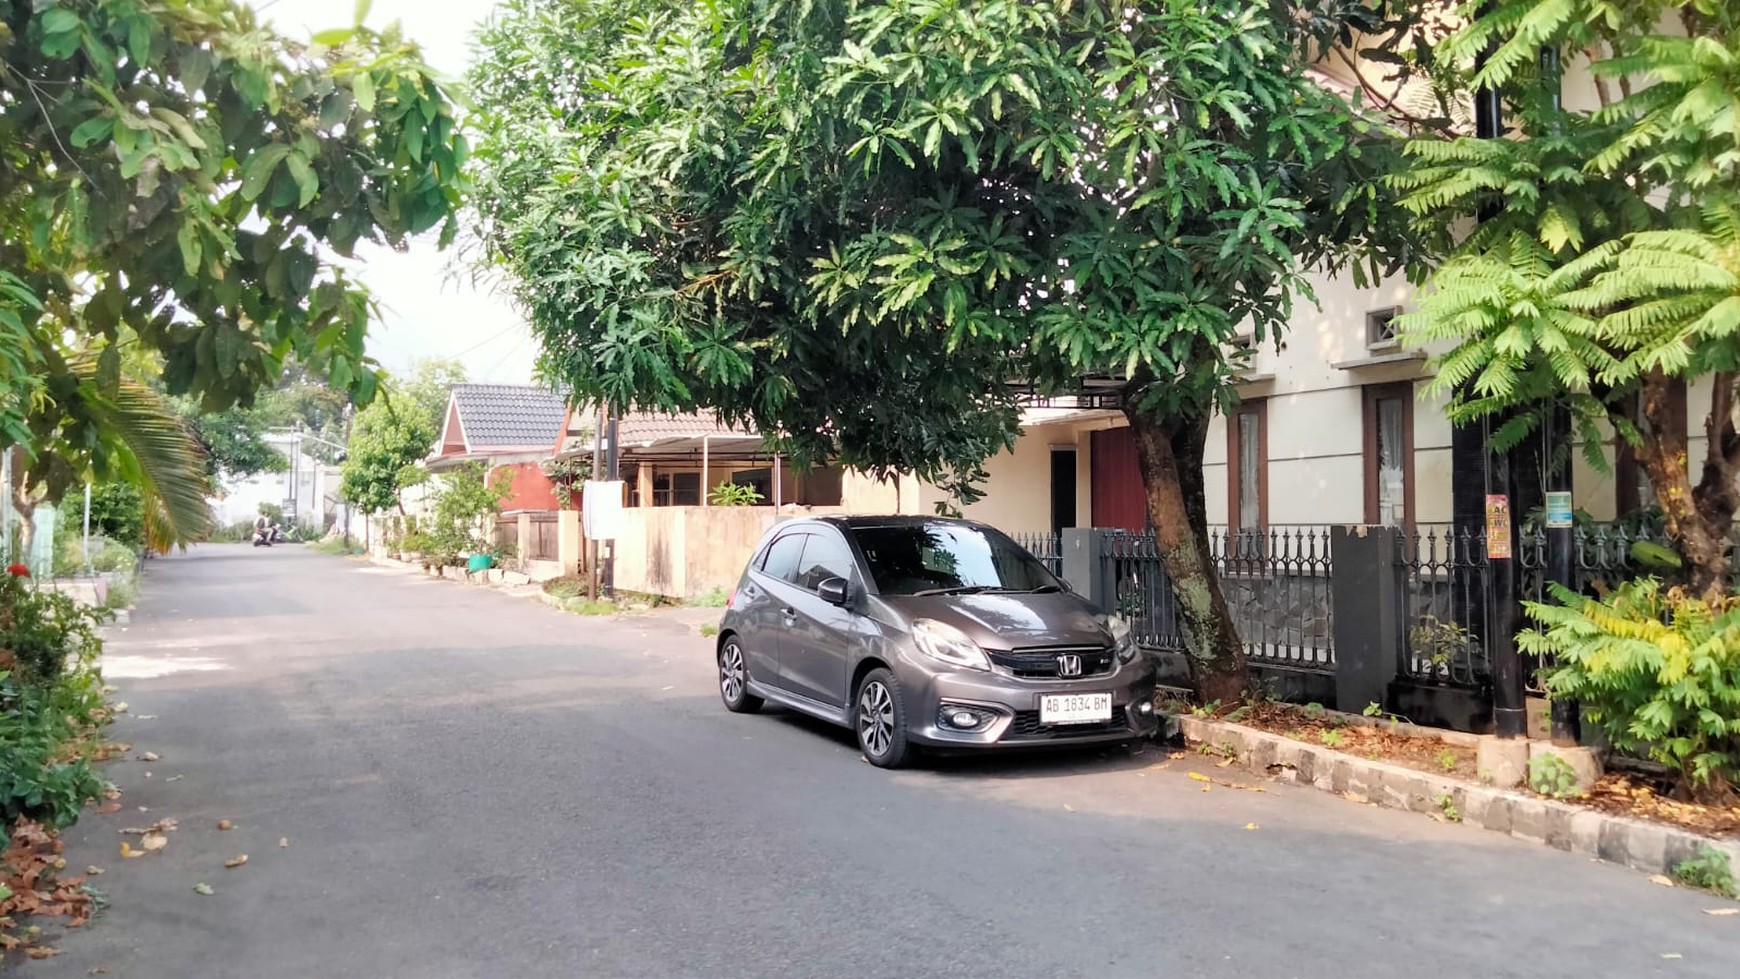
(566, 587)
(335, 545)
(709, 630)
(713, 599)
(586, 606)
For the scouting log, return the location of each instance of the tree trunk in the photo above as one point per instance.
(1169, 452)
(1698, 520)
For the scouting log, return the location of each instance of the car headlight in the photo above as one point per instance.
(1123, 640)
(947, 644)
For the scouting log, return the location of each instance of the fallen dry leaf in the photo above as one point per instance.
(1251, 826)
(1199, 777)
(202, 888)
(149, 756)
(226, 824)
(98, 971)
(41, 952)
(1672, 955)
(1722, 912)
(154, 841)
(1068, 808)
(109, 807)
(283, 841)
(1225, 763)
(236, 861)
(120, 708)
(175, 778)
(1662, 879)
(1175, 755)
(146, 717)
(128, 853)
(94, 870)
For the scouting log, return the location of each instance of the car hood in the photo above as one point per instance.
(997, 620)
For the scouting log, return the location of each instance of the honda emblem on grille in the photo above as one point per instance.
(1069, 664)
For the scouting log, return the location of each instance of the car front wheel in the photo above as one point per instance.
(734, 679)
(879, 717)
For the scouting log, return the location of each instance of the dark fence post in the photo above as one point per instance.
(1363, 593)
(1087, 565)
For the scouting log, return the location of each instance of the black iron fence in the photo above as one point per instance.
(1441, 607)
(1048, 548)
(1276, 583)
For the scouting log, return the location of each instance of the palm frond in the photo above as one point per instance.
(156, 453)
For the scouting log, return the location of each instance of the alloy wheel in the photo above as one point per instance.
(875, 718)
(731, 672)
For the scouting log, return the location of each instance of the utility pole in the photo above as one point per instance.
(1510, 703)
(613, 457)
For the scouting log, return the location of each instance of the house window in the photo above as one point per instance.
(1380, 328)
(1634, 491)
(677, 489)
(1247, 454)
(1389, 455)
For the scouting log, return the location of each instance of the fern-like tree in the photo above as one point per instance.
(1606, 264)
(851, 223)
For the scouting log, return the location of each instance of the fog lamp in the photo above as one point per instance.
(964, 719)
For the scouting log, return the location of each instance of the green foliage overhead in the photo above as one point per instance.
(234, 441)
(849, 223)
(1607, 261)
(181, 179)
(1657, 670)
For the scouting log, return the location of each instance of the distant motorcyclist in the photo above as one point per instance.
(262, 531)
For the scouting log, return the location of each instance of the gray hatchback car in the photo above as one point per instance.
(924, 631)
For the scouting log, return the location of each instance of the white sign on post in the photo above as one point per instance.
(601, 509)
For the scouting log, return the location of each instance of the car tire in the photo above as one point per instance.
(734, 678)
(879, 720)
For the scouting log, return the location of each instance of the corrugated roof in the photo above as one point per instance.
(508, 414)
(639, 428)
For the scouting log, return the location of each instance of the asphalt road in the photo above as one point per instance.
(477, 785)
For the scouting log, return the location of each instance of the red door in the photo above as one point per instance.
(1118, 499)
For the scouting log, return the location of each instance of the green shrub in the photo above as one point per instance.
(41, 630)
(1552, 776)
(1709, 870)
(39, 780)
(733, 494)
(113, 556)
(121, 595)
(1657, 671)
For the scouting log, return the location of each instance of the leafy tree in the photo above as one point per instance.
(234, 441)
(1607, 263)
(117, 512)
(851, 223)
(175, 182)
(390, 437)
(462, 515)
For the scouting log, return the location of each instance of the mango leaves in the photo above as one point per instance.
(176, 181)
(865, 227)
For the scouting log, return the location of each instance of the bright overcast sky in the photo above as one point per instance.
(424, 312)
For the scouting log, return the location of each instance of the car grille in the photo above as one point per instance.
(1040, 663)
(1027, 726)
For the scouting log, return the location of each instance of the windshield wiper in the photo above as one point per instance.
(956, 590)
(1044, 589)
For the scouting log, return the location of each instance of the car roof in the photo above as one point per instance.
(861, 521)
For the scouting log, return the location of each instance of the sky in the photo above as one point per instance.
(425, 311)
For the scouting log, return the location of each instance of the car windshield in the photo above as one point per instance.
(946, 558)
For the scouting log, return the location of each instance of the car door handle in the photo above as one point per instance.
(788, 614)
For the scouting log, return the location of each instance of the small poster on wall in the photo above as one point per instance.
(1498, 527)
(601, 509)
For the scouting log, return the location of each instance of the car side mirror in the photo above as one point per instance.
(833, 590)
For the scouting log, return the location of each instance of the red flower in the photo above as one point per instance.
(18, 570)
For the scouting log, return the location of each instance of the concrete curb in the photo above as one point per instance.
(1649, 847)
